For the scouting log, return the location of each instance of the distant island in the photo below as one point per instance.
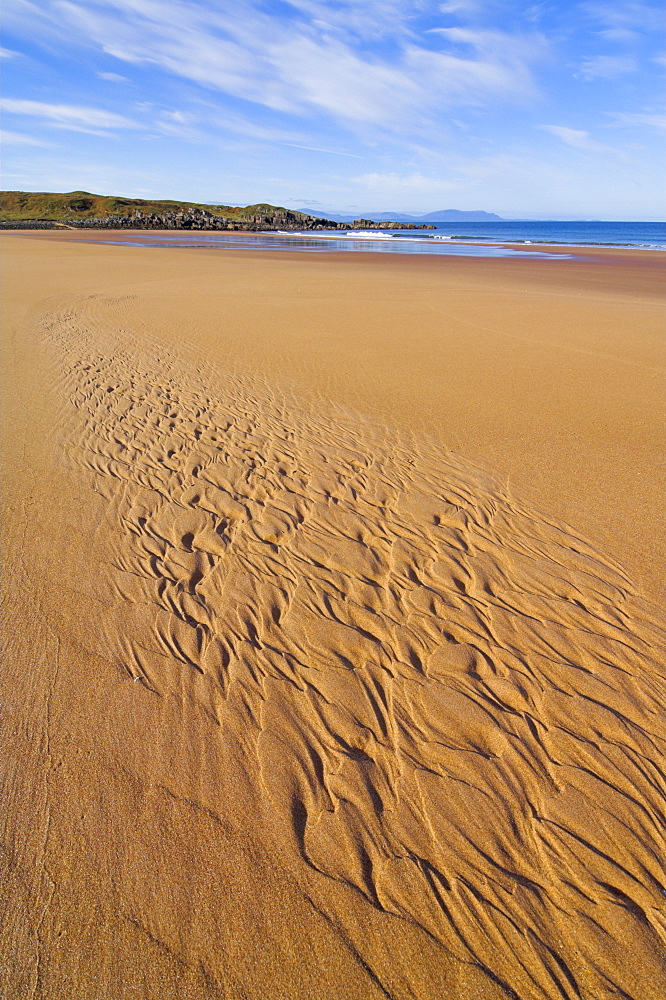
(83, 210)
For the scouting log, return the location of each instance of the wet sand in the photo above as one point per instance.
(333, 664)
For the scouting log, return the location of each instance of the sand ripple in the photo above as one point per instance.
(449, 702)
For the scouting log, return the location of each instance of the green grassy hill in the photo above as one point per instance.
(18, 206)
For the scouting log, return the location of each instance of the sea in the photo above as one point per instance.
(469, 239)
(649, 235)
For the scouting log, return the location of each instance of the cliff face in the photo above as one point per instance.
(279, 221)
(198, 219)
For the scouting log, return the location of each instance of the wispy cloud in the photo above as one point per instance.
(577, 138)
(607, 67)
(311, 56)
(19, 139)
(113, 77)
(463, 9)
(638, 119)
(243, 125)
(390, 184)
(178, 124)
(623, 21)
(8, 53)
(474, 64)
(67, 115)
(361, 19)
(320, 149)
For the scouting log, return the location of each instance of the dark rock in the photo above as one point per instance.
(269, 220)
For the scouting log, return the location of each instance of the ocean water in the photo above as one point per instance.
(472, 239)
(649, 235)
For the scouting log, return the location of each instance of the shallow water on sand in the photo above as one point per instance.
(323, 242)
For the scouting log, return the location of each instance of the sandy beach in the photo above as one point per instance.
(333, 658)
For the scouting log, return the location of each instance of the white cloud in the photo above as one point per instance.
(537, 11)
(391, 183)
(607, 67)
(356, 19)
(67, 115)
(493, 63)
(459, 6)
(625, 22)
(8, 53)
(313, 57)
(639, 119)
(179, 125)
(626, 15)
(113, 77)
(576, 138)
(250, 129)
(320, 149)
(18, 139)
(331, 77)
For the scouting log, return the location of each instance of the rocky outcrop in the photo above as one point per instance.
(30, 224)
(369, 224)
(259, 221)
(193, 219)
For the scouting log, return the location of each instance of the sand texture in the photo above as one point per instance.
(299, 701)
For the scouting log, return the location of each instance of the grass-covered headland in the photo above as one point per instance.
(80, 209)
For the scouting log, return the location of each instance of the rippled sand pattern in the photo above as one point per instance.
(452, 704)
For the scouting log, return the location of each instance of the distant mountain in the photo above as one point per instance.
(446, 215)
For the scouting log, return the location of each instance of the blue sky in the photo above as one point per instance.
(531, 110)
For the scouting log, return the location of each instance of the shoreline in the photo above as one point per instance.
(577, 249)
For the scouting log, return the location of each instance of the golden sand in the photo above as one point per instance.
(333, 665)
